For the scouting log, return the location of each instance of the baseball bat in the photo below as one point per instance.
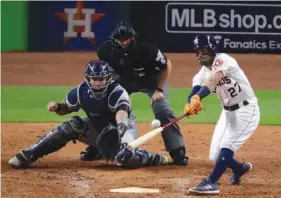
(141, 140)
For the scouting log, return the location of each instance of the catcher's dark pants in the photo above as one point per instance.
(172, 136)
(76, 128)
(83, 130)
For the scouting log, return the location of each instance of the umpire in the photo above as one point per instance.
(142, 67)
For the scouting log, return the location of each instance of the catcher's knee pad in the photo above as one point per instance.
(75, 126)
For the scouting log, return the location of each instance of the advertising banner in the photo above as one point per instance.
(237, 27)
(70, 25)
(13, 26)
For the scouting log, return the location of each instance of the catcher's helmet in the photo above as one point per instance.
(123, 31)
(98, 69)
(205, 41)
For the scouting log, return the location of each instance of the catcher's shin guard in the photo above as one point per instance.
(50, 142)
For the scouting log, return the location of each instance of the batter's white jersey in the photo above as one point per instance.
(234, 87)
(234, 126)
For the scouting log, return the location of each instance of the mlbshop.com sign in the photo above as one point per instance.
(253, 27)
(244, 27)
(223, 18)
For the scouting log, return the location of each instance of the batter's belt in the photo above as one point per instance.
(236, 106)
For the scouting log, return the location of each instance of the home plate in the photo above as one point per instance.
(135, 190)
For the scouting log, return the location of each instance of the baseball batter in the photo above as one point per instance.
(221, 74)
(108, 127)
(142, 67)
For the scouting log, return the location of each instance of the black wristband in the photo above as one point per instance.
(159, 89)
(59, 107)
(203, 92)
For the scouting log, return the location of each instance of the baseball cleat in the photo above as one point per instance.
(21, 160)
(179, 156)
(181, 162)
(236, 178)
(206, 187)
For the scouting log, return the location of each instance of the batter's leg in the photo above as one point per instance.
(243, 123)
(218, 135)
(172, 136)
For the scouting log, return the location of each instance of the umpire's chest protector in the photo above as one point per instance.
(135, 64)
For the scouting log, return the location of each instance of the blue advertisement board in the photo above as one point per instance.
(70, 25)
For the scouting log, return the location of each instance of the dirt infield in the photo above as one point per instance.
(62, 174)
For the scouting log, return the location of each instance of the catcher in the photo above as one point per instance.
(108, 127)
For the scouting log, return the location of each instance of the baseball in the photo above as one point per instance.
(155, 123)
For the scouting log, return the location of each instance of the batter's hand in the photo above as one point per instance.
(187, 109)
(157, 95)
(195, 104)
(52, 106)
(194, 107)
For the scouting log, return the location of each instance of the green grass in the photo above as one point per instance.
(28, 104)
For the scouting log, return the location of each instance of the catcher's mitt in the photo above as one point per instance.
(109, 142)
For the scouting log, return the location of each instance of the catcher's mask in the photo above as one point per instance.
(205, 47)
(124, 37)
(98, 75)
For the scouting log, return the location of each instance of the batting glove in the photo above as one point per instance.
(195, 104)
